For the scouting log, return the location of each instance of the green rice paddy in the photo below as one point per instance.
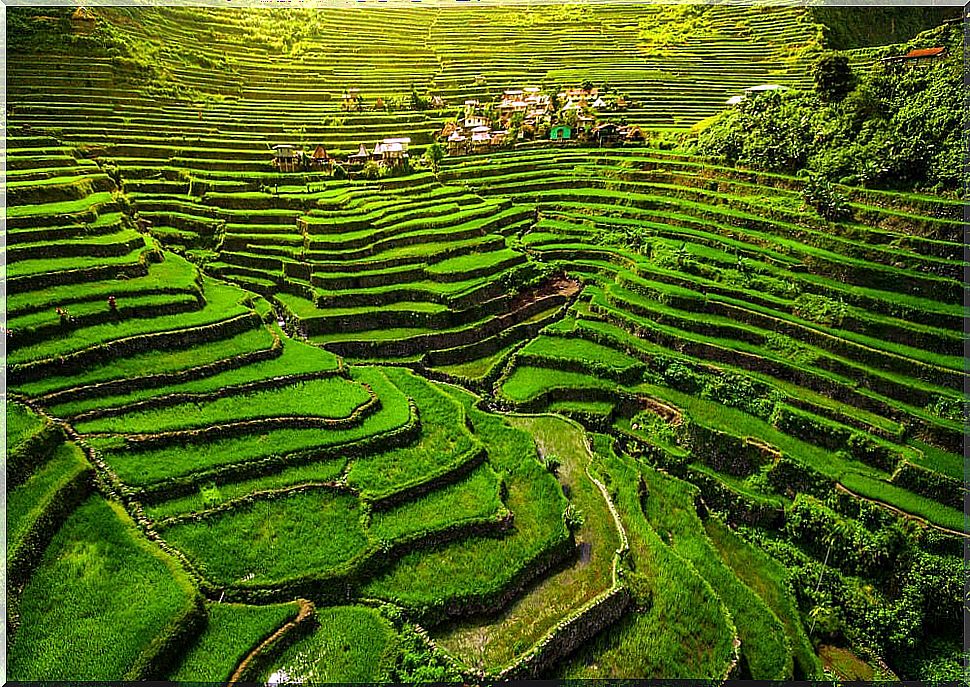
(549, 411)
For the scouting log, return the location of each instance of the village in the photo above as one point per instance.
(577, 115)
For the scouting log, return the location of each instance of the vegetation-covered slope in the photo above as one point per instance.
(896, 125)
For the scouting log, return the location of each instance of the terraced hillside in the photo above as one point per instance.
(260, 77)
(804, 376)
(551, 412)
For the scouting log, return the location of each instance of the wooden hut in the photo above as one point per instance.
(82, 20)
(606, 134)
(633, 134)
(919, 56)
(391, 152)
(481, 138)
(457, 143)
(359, 158)
(447, 130)
(286, 158)
(320, 160)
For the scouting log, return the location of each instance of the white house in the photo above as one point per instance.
(475, 120)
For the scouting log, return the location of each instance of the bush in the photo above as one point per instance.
(833, 78)
(821, 195)
(573, 517)
(820, 309)
(371, 170)
(550, 463)
(897, 127)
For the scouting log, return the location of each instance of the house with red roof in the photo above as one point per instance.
(919, 56)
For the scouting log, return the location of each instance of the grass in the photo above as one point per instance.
(492, 643)
(156, 465)
(331, 398)
(474, 498)
(622, 337)
(87, 611)
(21, 423)
(679, 629)
(526, 382)
(27, 503)
(906, 501)
(62, 208)
(738, 423)
(478, 368)
(152, 362)
(223, 302)
(352, 644)
(846, 664)
(209, 495)
(944, 462)
(468, 263)
(770, 581)
(233, 630)
(48, 265)
(568, 348)
(444, 441)
(671, 512)
(478, 565)
(297, 358)
(272, 540)
(133, 306)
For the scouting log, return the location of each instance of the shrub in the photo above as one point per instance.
(573, 517)
(371, 170)
(834, 78)
(899, 127)
(820, 309)
(948, 408)
(822, 196)
(550, 463)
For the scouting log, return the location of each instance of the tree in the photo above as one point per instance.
(435, 154)
(569, 117)
(834, 78)
(417, 102)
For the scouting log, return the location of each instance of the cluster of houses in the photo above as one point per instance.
(528, 113)
(520, 114)
(390, 152)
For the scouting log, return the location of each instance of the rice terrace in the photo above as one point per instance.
(463, 342)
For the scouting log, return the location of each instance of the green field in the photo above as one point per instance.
(351, 644)
(677, 396)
